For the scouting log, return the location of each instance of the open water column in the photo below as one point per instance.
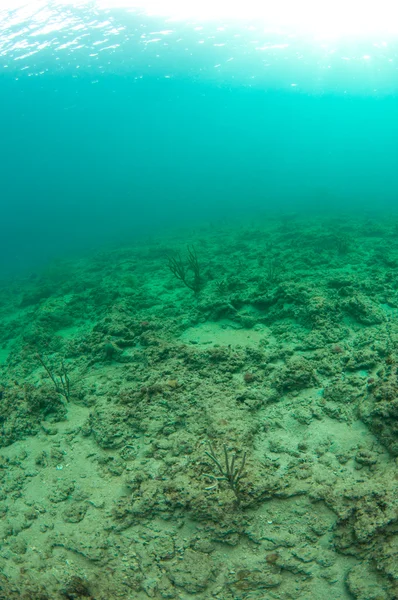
(198, 300)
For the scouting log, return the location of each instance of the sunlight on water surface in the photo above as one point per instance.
(306, 46)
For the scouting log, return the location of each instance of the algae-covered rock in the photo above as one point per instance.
(254, 577)
(158, 379)
(192, 572)
(363, 310)
(380, 412)
(109, 427)
(24, 407)
(298, 373)
(363, 584)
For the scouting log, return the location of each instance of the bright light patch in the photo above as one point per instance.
(322, 18)
(319, 17)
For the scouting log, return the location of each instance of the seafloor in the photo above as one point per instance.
(121, 387)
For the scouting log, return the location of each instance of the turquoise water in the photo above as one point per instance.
(198, 301)
(116, 122)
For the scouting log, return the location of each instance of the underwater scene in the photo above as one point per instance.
(198, 300)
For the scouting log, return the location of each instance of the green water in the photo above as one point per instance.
(116, 123)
